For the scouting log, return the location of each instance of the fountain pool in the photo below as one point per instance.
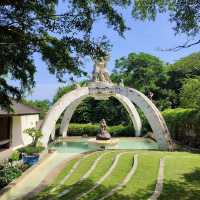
(80, 145)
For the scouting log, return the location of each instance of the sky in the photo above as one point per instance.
(145, 37)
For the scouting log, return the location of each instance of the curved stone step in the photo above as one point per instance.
(71, 172)
(86, 174)
(159, 184)
(125, 181)
(115, 161)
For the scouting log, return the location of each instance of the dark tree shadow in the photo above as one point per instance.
(187, 189)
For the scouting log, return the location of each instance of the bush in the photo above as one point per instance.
(93, 130)
(184, 125)
(31, 150)
(15, 156)
(8, 173)
(34, 134)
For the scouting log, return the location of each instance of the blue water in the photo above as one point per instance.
(81, 145)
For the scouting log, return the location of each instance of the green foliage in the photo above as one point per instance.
(15, 156)
(183, 125)
(63, 90)
(8, 173)
(62, 39)
(31, 150)
(34, 134)
(92, 111)
(146, 73)
(93, 130)
(187, 67)
(42, 105)
(190, 93)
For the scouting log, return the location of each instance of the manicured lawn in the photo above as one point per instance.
(142, 184)
(120, 171)
(181, 177)
(102, 167)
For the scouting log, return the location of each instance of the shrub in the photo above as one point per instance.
(93, 129)
(184, 125)
(8, 173)
(31, 150)
(15, 156)
(35, 134)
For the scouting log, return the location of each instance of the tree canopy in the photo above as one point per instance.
(190, 93)
(42, 105)
(146, 73)
(185, 68)
(62, 39)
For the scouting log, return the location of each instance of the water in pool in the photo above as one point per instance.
(81, 145)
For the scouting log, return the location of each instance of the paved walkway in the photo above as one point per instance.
(160, 179)
(30, 181)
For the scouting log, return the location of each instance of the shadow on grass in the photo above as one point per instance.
(186, 189)
(79, 188)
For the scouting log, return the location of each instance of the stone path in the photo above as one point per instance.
(116, 159)
(70, 172)
(159, 184)
(31, 179)
(125, 181)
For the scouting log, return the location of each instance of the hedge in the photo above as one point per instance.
(184, 125)
(93, 129)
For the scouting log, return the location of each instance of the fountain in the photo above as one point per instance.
(103, 139)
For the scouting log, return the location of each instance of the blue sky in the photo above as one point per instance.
(143, 37)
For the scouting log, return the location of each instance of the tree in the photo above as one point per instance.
(146, 73)
(34, 134)
(185, 68)
(61, 91)
(62, 39)
(93, 111)
(184, 14)
(190, 93)
(42, 105)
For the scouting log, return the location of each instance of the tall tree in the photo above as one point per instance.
(63, 39)
(190, 93)
(42, 105)
(184, 68)
(146, 73)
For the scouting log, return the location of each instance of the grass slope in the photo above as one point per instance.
(102, 167)
(181, 177)
(118, 174)
(142, 184)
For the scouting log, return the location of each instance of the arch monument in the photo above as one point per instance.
(101, 87)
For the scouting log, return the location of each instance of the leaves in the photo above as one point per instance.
(63, 39)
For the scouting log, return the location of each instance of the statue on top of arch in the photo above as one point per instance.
(100, 73)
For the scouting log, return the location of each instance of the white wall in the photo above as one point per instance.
(19, 125)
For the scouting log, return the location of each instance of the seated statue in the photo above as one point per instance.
(103, 135)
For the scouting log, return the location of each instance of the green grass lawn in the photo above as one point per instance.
(181, 177)
(120, 171)
(102, 167)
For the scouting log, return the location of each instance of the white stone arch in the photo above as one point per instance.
(133, 114)
(132, 111)
(67, 117)
(152, 114)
